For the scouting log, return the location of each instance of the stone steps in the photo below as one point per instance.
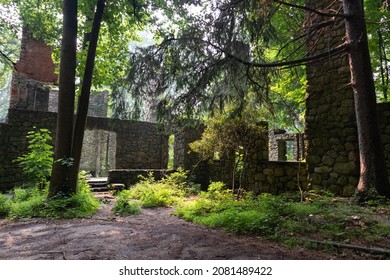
(101, 184)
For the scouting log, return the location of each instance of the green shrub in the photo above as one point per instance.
(123, 205)
(37, 162)
(27, 203)
(31, 202)
(75, 206)
(81, 204)
(166, 192)
(5, 206)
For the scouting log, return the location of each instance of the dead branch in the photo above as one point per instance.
(371, 250)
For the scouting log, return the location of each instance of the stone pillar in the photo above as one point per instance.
(186, 159)
(330, 125)
(34, 70)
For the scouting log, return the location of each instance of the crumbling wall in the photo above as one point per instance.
(138, 144)
(278, 139)
(33, 72)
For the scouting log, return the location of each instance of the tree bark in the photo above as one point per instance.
(373, 171)
(83, 104)
(59, 182)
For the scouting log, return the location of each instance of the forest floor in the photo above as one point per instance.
(154, 234)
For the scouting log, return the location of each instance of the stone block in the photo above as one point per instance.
(346, 168)
(279, 172)
(268, 172)
(322, 169)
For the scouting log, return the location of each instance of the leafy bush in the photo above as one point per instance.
(37, 162)
(5, 205)
(168, 191)
(124, 206)
(27, 203)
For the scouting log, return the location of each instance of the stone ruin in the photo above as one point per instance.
(123, 149)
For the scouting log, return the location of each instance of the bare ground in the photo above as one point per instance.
(155, 234)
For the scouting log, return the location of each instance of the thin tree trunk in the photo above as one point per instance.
(82, 109)
(373, 171)
(59, 182)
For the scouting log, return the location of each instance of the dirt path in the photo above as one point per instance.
(155, 234)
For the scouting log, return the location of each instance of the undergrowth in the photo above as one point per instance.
(124, 206)
(29, 202)
(169, 191)
(284, 217)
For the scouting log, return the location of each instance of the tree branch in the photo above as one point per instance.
(8, 60)
(309, 59)
(311, 10)
(334, 51)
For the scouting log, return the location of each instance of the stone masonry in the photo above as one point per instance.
(330, 126)
(138, 144)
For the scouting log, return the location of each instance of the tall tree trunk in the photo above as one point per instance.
(82, 109)
(373, 171)
(59, 182)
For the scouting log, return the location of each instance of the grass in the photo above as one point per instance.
(285, 219)
(32, 202)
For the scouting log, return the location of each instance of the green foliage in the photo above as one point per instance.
(283, 218)
(32, 202)
(76, 206)
(81, 204)
(124, 206)
(377, 16)
(225, 134)
(27, 203)
(37, 162)
(5, 205)
(168, 191)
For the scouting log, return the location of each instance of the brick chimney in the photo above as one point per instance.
(34, 71)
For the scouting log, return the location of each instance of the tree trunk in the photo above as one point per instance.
(373, 171)
(82, 109)
(59, 182)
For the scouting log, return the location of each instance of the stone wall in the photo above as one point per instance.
(138, 144)
(259, 174)
(28, 94)
(384, 127)
(188, 160)
(330, 126)
(97, 107)
(277, 177)
(278, 139)
(14, 133)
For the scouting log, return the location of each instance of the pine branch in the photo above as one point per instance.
(311, 10)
